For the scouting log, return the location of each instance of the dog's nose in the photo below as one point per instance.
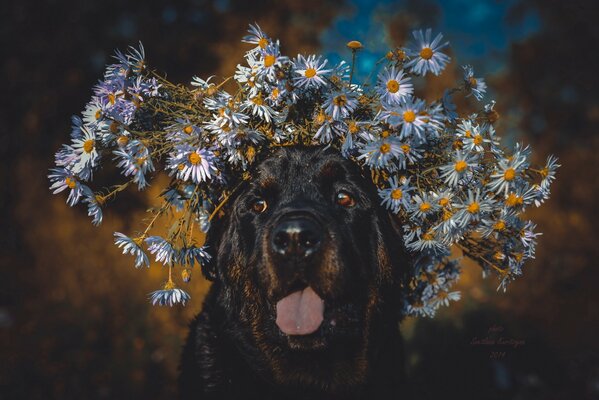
(299, 237)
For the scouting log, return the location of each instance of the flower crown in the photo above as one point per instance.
(443, 174)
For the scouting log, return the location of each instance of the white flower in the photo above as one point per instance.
(427, 54)
(393, 86)
(309, 72)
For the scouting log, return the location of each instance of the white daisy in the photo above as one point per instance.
(309, 71)
(427, 54)
(393, 85)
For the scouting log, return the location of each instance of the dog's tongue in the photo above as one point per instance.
(300, 313)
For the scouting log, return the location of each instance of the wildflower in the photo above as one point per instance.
(397, 196)
(423, 205)
(94, 208)
(427, 54)
(193, 254)
(428, 241)
(163, 250)
(379, 153)
(473, 208)
(548, 172)
(340, 104)
(309, 71)
(85, 150)
(393, 86)
(169, 295)
(63, 179)
(133, 247)
(475, 86)
(136, 161)
(259, 109)
(196, 164)
(407, 114)
(459, 168)
(507, 173)
(257, 36)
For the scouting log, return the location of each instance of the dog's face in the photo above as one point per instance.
(309, 267)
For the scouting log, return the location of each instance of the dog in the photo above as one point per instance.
(308, 274)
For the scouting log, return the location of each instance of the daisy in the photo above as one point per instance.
(548, 172)
(428, 241)
(169, 295)
(473, 208)
(270, 60)
(310, 72)
(197, 164)
(393, 86)
(256, 36)
(258, 108)
(62, 179)
(133, 247)
(397, 196)
(427, 54)
(340, 104)
(407, 114)
(94, 208)
(423, 206)
(461, 166)
(163, 250)
(85, 149)
(475, 86)
(507, 173)
(410, 155)
(135, 160)
(379, 153)
(191, 255)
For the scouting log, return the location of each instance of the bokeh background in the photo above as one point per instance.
(74, 320)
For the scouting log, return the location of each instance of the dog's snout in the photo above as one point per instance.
(296, 237)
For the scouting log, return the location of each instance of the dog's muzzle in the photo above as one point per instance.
(296, 236)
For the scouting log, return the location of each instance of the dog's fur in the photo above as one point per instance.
(235, 349)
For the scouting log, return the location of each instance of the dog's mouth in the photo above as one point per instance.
(300, 313)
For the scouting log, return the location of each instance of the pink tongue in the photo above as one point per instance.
(300, 313)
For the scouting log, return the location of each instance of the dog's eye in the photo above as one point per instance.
(259, 205)
(345, 199)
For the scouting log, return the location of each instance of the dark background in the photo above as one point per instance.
(74, 320)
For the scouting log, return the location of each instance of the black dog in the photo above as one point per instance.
(308, 275)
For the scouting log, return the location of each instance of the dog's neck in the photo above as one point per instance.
(219, 364)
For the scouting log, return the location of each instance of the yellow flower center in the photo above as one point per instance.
(71, 183)
(385, 133)
(263, 42)
(393, 86)
(499, 225)
(426, 53)
(385, 148)
(468, 133)
(478, 140)
(340, 100)
(88, 145)
(424, 207)
(321, 118)
(111, 98)
(188, 129)
(396, 194)
(443, 201)
(258, 100)
(447, 214)
(472, 81)
(460, 166)
(514, 200)
(352, 127)
(409, 116)
(275, 93)
(122, 140)
(98, 114)
(181, 167)
(473, 208)
(509, 174)
(269, 60)
(428, 236)
(194, 158)
(405, 148)
(310, 73)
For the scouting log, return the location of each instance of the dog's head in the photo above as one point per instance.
(310, 268)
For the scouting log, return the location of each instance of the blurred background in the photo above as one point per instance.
(74, 319)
